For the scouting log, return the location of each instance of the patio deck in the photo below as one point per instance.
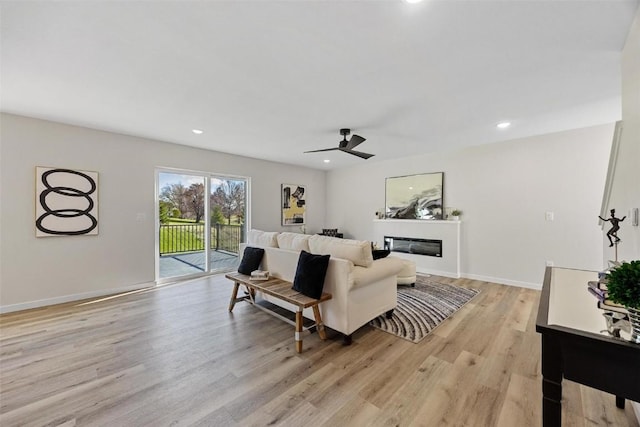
(183, 264)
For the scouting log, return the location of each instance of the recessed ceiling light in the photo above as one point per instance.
(503, 125)
(327, 161)
(197, 131)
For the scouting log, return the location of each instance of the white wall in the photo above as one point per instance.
(504, 190)
(625, 192)
(36, 271)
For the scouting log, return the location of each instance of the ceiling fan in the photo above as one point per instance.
(348, 146)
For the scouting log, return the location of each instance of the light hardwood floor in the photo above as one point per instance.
(175, 356)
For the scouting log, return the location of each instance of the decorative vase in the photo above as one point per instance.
(455, 218)
(634, 320)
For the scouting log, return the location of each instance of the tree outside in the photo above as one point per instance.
(216, 216)
(229, 198)
(182, 208)
(166, 211)
(175, 196)
(195, 201)
(178, 201)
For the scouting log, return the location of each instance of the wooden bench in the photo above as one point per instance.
(280, 289)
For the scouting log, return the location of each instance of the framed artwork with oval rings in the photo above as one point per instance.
(66, 202)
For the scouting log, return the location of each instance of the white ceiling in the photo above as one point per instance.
(271, 79)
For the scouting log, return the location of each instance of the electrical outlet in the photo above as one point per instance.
(548, 216)
(549, 263)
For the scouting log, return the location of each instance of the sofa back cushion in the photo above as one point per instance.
(356, 251)
(267, 239)
(293, 241)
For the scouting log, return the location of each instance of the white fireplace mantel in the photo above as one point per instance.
(447, 231)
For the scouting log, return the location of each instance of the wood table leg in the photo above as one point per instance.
(251, 293)
(551, 382)
(319, 325)
(298, 335)
(234, 295)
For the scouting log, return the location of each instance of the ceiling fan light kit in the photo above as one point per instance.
(347, 146)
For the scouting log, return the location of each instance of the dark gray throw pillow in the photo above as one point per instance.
(380, 253)
(310, 274)
(251, 260)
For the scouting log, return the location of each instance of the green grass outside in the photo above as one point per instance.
(182, 239)
(191, 238)
(177, 221)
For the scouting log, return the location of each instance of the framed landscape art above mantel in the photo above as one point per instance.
(418, 196)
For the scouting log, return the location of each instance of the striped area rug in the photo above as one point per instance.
(422, 308)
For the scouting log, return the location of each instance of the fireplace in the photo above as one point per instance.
(410, 245)
(444, 262)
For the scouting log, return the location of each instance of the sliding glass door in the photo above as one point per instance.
(201, 221)
(227, 203)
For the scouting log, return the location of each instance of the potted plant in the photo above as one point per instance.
(623, 287)
(455, 214)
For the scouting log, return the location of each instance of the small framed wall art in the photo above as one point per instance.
(293, 204)
(66, 202)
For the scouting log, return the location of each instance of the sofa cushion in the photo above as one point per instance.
(267, 239)
(251, 259)
(293, 241)
(310, 274)
(356, 251)
(378, 270)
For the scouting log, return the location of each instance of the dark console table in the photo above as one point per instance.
(338, 235)
(577, 346)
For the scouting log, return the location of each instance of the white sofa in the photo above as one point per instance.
(362, 288)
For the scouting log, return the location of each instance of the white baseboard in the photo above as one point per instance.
(536, 286)
(437, 273)
(73, 297)
(499, 280)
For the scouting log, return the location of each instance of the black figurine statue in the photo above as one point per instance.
(613, 232)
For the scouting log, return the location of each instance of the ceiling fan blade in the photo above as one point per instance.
(355, 141)
(357, 153)
(326, 149)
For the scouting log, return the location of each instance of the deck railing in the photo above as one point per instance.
(190, 237)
